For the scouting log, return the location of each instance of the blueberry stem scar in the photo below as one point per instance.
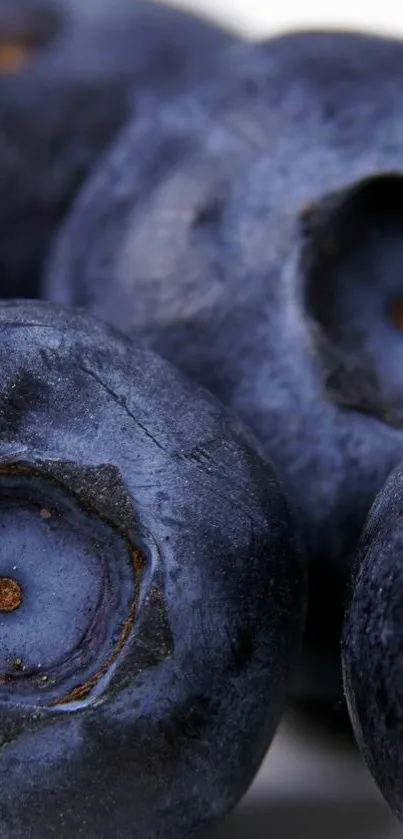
(396, 313)
(12, 57)
(10, 594)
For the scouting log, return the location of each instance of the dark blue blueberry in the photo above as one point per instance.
(253, 234)
(71, 72)
(373, 642)
(151, 590)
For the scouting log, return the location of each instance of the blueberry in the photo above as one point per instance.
(253, 234)
(71, 73)
(373, 642)
(151, 590)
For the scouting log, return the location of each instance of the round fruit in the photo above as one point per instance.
(254, 236)
(71, 73)
(151, 592)
(373, 642)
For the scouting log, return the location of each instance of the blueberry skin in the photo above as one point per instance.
(373, 642)
(156, 728)
(88, 67)
(253, 235)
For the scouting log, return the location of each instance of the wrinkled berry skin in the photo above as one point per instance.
(82, 70)
(168, 614)
(373, 642)
(268, 241)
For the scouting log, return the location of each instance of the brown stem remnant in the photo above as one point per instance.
(10, 594)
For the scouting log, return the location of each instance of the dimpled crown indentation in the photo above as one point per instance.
(68, 583)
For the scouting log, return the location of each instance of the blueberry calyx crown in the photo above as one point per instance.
(69, 582)
(25, 32)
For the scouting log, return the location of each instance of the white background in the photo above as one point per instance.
(262, 17)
